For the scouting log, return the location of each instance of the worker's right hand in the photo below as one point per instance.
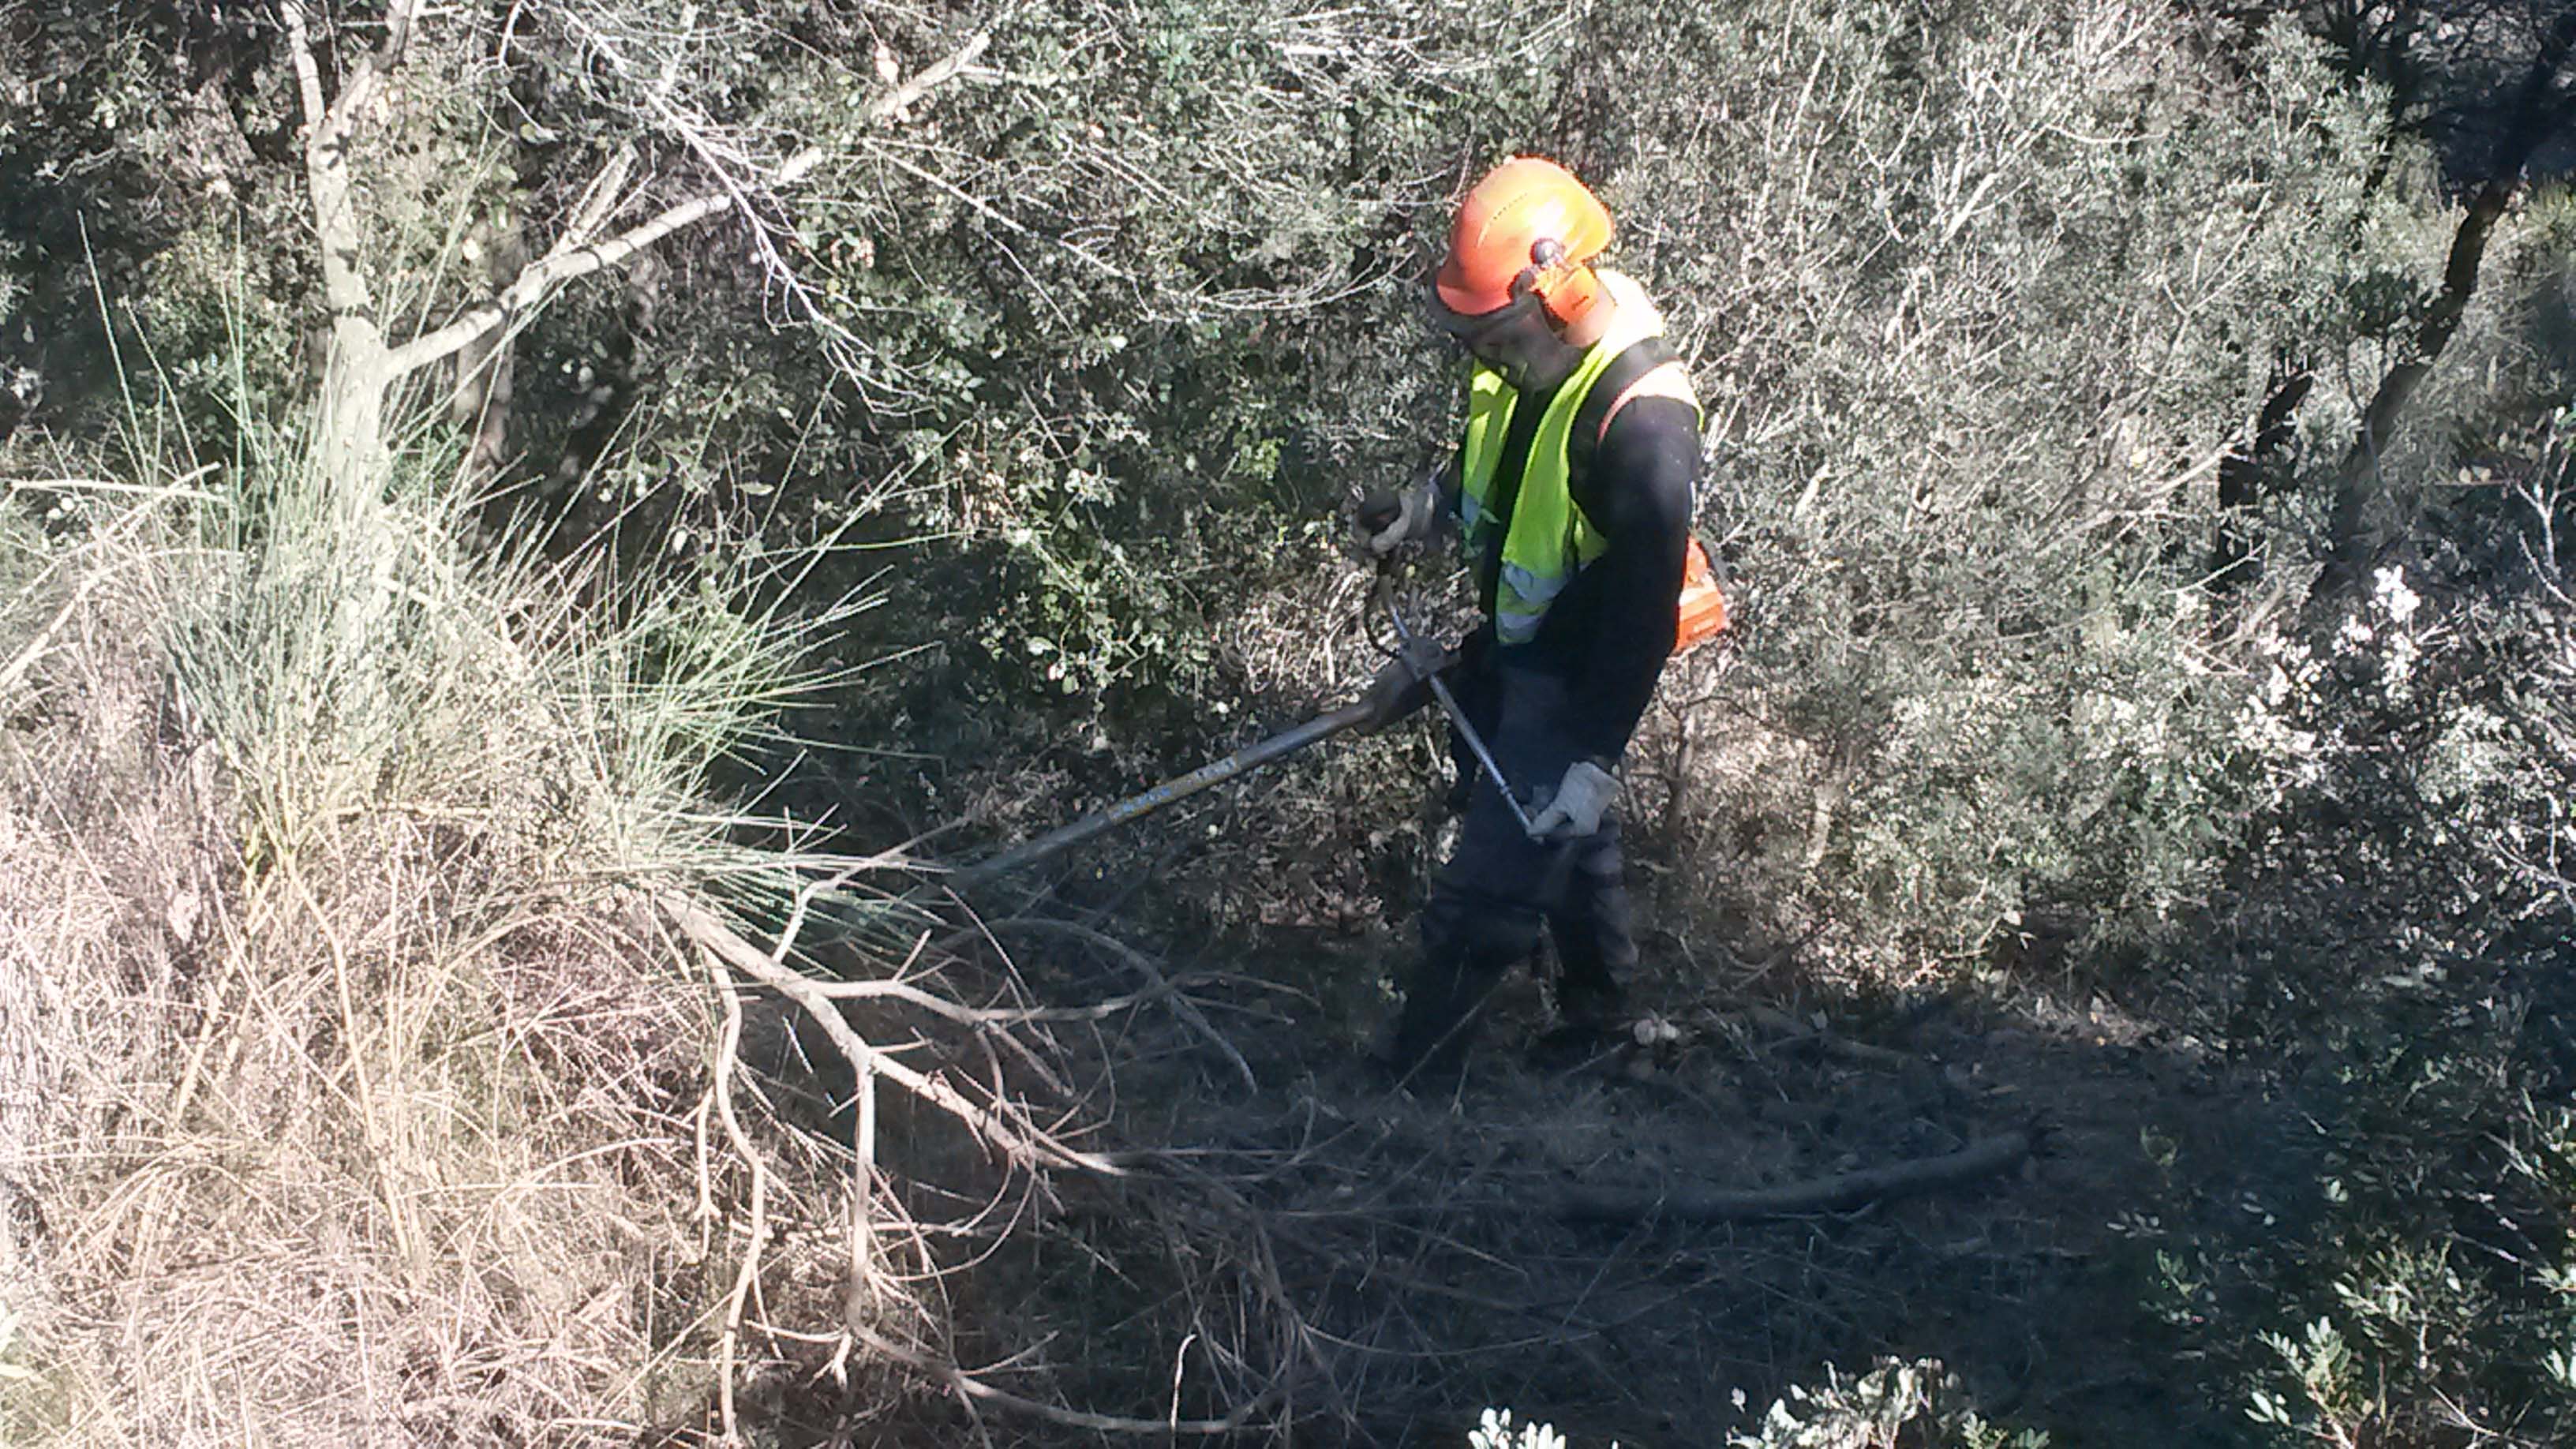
(1389, 519)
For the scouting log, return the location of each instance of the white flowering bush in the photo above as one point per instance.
(1495, 1430)
(1917, 1399)
(2405, 928)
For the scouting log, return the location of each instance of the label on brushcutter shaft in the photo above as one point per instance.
(1702, 608)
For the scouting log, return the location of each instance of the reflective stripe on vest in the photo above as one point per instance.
(1550, 539)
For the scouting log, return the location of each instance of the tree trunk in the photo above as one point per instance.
(2361, 490)
(2360, 487)
(349, 445)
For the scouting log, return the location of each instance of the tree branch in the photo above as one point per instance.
(1156, 983)
(573, 256)
(545, 274)
(564, 264)
(1028, 1144)
(308, 77)
(895, 102)
(376, 69)
(599, 200)
(398, 18)
(966, 1385)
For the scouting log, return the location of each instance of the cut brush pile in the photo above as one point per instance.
(352, 1090)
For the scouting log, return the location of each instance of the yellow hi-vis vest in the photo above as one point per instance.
(1550, 539)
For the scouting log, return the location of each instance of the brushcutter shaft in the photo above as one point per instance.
(1458, 717)
(1217, 772)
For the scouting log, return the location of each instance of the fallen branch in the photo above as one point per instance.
(941, 1006)
(1023, 1141)
(720, 1092)
(1797, 1033)
(1982, 1158)
(968, 1386)
(1143, 965)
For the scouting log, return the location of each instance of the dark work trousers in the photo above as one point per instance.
(1499, 886)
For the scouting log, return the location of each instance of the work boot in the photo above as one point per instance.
(1444, 998)
(1590, 1004)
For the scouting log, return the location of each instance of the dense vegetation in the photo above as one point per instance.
(531, 524)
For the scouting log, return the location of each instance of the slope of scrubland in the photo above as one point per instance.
(471, 967)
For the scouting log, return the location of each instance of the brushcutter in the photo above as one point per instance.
(1702, 615)
(1136, 807)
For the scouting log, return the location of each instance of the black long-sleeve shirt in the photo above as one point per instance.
(1611, 629)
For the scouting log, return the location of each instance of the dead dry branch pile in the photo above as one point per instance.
(1085, 1220)
(384, 1065)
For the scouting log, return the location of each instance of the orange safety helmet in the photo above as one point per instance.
(1528, 223)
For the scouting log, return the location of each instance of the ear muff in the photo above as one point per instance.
(1566, 288)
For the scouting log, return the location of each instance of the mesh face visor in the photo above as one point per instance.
(1468, 331)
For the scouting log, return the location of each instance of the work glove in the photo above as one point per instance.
(1403, 686)
(1390, 519)
(1575, 809)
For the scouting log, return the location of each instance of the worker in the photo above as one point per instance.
(1570, 496)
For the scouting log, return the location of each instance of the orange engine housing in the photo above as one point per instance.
(1702, 612)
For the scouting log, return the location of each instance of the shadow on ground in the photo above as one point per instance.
(1375, 1265)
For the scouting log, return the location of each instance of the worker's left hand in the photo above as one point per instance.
(1579, 802)
(1388, 522)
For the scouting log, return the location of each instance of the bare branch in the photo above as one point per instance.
(599, 200)
(749, 184)
(564, 264)
(911, 995)
(968, 1386)
(1022, 1141)
(375, 70)
(545, 274)
(308, 77)
(728, 1061)
(398, 20)
(1982, 1158)
(1143, 965)
(902, 98)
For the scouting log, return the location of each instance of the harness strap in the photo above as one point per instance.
(1610, 392)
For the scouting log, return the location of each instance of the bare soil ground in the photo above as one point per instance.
(1382, 1263)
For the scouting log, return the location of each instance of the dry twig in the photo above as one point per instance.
(1024, 1141)
(967, 1386)
(1143, 965)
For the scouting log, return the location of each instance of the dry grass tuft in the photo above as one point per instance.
(348, 1094)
